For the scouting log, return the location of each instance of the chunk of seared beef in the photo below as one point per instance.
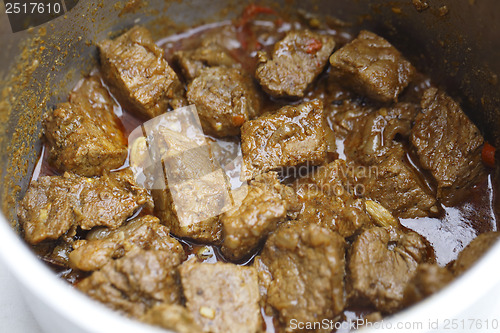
(139, 76)
(172, 317)
(295, 62)
(448, 145)
(373, 133)
(84, 135)
(301, 271)
(372, 67)
(395, 185)
(378, 167)
(381, 264)
(136, 282)
(188, 188)
(191, 209)
(474, 251)
(328, 200)
(192, 62)
(104, 244)
(428, 279)
(262, 205)
(54, 204)
(291, 136)
(225, 99)
(222, 297)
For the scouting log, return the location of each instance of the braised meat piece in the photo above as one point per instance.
(381, 264)
(222, 297)
(264, 203)
(172, 317)
(191, 209)
(225, 99)
(104, 244)
(428, 279)
(136, 282)
(55, 204)
(188, 188)
(372, 67)
(378, 166)
(295, 62)
(395, 185)
(448, 145)
(83, 135)
(291, 136)
(301, 269)
(373, 133)
(208, 54)
(475, 250)
(328, 199)
(139, 76)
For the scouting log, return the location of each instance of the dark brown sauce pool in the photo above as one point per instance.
(447, 234)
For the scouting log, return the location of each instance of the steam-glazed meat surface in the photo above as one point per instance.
(136, 282)
(264, 204)
(381, 264)
(225, 99)
(448, 145)
(135, 68)
(84, 134)
(291, 136)
(222, 297)
(294, 63)
(304, 264)
(372, 67)
(105, 244)
(55, 204)
(313, 177)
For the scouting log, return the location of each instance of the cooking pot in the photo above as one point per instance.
(457, 42)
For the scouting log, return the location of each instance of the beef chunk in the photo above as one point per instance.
(373, 133)
(448, 145)
(293, 135)
(295, 62)
(54, 204)
(382, 262)
(371, 66)
(396, 186)
(198, 221)
(188, 188)
(264, 204)
(83, 134)
(474, 251)
(134, 67)
(379, 168)
(428, 279)
(328, 200)
(136, 282)
(225, 98)
(304, 264)
(192, 62)
(222, 297)
(103, 245)
(172, 317)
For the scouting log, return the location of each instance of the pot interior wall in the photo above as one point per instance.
(457, 42)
